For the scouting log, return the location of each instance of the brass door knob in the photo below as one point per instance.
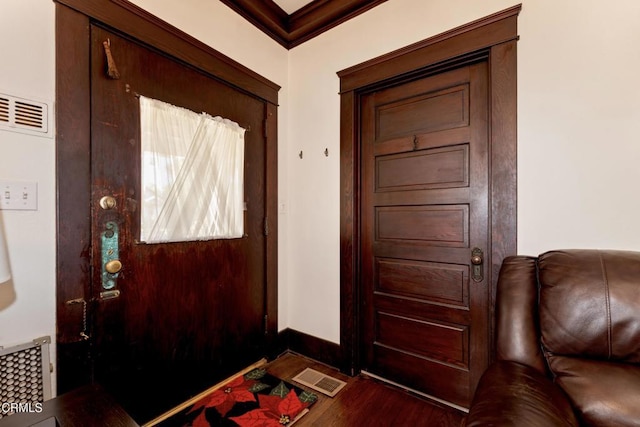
(113, 266)
(477, 259)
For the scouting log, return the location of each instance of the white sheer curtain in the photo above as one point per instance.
(192, 175)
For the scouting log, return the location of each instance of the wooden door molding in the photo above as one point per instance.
(73, 159)
(305, 23)
(494, 36)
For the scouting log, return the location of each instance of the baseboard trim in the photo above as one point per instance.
(307, 345)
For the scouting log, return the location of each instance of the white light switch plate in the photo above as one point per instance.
(19, 195)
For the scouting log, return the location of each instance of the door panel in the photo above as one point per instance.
(424, 208)
(426, 169)
(440, 282)
(188, 314)
(433, 111)
(443, 342)
(428, 225)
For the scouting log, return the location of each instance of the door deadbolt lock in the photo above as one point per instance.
(108, 203)
(477, 261)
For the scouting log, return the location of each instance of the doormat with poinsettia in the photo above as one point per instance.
(251, 400)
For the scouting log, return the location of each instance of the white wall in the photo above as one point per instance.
(27, 70)
(578, 125)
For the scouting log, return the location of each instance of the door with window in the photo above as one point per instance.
(424, 233)
(169, 319)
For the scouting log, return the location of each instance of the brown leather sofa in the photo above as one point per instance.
(567, 342)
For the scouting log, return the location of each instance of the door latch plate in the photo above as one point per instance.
(109, 239)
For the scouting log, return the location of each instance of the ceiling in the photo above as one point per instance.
(292, 22)
(291, 6)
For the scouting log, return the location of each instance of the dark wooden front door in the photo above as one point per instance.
(425, 207)
(188, 314)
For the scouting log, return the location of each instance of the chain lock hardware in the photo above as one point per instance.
(83, 333)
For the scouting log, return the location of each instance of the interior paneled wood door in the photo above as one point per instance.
(181, 316)
(425, 208)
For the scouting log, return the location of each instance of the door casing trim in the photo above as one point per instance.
(495, 36)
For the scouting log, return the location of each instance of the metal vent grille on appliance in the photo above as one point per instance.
(24, 116)
(320, 382)
(25, 376)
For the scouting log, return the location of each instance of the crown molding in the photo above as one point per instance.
(302, 25)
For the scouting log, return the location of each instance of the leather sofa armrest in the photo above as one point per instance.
(517, 328)
(513, 394)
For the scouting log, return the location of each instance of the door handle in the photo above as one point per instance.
(113, 266)
(477, 261)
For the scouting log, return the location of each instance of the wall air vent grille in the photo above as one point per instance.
(31, 115)
(4, 110)
(24, 116)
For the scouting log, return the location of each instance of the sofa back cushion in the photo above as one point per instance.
(602, 393)
(589, 304)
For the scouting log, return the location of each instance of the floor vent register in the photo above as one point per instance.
(320, 382)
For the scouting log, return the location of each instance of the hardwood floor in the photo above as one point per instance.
(364, 401)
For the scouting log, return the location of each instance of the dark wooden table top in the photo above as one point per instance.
(84, 407)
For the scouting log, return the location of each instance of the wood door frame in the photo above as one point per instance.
(73, 161)
(494, 36)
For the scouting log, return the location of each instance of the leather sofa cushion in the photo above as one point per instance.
(511, 394)
(602, 393)
(589, 304)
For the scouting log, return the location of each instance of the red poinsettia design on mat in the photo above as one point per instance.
(224, 398)
(274, 411)
(200, 421)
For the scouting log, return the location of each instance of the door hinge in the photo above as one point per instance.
(266, 324)
(266, 226)
(266, 127)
